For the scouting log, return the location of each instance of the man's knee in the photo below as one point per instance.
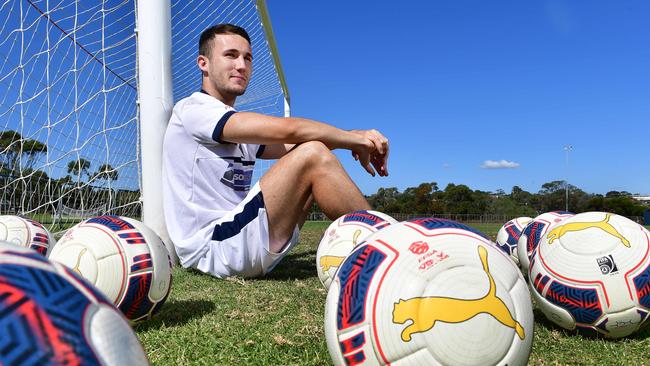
(315, 153)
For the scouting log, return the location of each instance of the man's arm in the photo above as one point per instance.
(276, 151)
(368, 146)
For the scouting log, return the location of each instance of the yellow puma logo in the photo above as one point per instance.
(425, 311)
(604, 225)
(329, 261)
(76, 266)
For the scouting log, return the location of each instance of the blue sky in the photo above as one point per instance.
(454, 84)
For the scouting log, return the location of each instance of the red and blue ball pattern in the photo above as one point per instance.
(355, 276)
(42, 318)
(431, 223)
(367, 218)
(136, 303)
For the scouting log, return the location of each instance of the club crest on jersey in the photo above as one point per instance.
(237, 178)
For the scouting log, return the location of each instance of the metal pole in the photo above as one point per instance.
(156, 100)
(567, 148)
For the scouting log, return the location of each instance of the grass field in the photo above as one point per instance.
(278, 320)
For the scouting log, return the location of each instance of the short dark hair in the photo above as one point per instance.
(209, 34)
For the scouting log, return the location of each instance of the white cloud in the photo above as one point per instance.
(501, 164)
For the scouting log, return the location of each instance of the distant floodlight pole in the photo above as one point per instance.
(567, 148)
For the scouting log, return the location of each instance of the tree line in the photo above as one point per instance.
(26, 189)
(18, 156)
(459, 199)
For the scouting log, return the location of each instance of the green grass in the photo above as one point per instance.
(278, 320)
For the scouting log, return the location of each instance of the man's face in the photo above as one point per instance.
(229, 66)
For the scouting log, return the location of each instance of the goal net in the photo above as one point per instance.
(70, 126)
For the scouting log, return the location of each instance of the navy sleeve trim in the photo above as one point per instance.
(260, 151)
(218, 129)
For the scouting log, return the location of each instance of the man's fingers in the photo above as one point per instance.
(374, 153)
(369, 169)
(380, 141)
(380, 164)
(366, 163)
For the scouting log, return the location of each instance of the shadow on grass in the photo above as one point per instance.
(295, 266)
(176, 312)
(542, 321)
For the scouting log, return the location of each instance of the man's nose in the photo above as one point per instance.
(240, 63)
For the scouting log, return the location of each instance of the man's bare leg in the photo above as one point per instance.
(309, 170)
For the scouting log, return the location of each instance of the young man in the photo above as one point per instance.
(218, 223)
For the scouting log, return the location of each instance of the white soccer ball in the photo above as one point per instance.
(27, 233)
(533, 232)
(509, 234)
(342, 236)
(428, 292)
(51, 316)
(592, 272)
(123, 258)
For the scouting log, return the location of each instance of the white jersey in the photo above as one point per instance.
(203, 177)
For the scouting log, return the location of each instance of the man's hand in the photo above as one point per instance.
(373, 152)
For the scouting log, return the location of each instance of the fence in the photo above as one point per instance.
(468, 218)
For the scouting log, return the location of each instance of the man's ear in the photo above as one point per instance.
(203, 63)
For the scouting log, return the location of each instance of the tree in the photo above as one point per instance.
(33, 149)
(105, 172)
(458, 199)
(623, 205)
(552, 196)
(13, 146)
(385, 200)
(79, 167)
(423, 197)
(520, 196)
(9, 149)
(595, 203)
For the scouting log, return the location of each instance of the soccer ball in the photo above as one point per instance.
(428, 291)
(592, 272)
(509, 234)
(533, 232)
(125, 259)
(49, 315)
(342, 236)
(26, 233)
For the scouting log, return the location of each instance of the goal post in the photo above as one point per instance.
(155, 100)
(273, 49)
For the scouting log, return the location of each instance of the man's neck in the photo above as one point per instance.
(214, 93)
